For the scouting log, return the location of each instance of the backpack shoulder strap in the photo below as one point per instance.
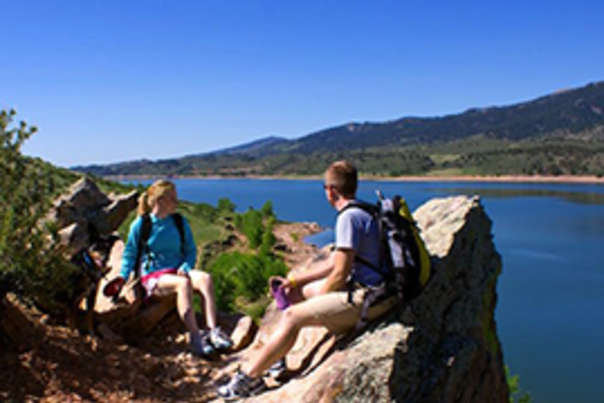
(369, 208)
(179, 221)
(142, 246)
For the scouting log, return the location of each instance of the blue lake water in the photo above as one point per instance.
(550, 312)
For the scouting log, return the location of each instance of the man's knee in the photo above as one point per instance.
(295, 317)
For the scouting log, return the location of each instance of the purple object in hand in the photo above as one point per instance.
(279, 294)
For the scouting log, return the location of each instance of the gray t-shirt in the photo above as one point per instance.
(356, 229)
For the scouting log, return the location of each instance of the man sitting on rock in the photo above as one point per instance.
(325, 299)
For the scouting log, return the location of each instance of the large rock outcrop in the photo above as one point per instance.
(442, 348)
(84, 211)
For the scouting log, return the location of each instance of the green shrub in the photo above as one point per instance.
(252, 227)
(241, 279)
(267, 210)
(516, 395)
(225, 206)
(205, 211)
(257, 226)
(31, 266)
(268, 238)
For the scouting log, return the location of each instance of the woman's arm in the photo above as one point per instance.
(131, 248)
(190, 249)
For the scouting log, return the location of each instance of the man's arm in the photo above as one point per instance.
(317, 271)
(343, 259)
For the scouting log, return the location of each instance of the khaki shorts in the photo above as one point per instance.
(334, 311)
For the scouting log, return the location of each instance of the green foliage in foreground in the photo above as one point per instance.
(240, 279)
(516, 395)
(257, 226)
(30, 266)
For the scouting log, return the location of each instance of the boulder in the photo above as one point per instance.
(84, 211)
(443, 347)
(244, 330)
(82, 196)
(75, 236)
(110, 217)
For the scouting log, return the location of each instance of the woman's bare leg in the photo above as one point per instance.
(169, 284)
(202, 282)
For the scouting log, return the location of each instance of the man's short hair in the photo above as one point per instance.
(343, 177)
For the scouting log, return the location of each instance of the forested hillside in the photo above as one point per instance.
(561, 133)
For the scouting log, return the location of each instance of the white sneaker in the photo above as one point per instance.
(219, 340)
(240, 386)
(277, 370)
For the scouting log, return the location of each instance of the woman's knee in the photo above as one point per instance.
(168, 284)
(183, 285)
(202, 280)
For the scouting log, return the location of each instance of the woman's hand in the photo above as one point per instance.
(114, 287)
(182, 273)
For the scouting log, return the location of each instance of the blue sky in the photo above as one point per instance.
(118, 80)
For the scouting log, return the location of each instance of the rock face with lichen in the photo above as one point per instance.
(443, 347)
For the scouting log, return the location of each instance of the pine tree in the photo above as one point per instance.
(30, 266)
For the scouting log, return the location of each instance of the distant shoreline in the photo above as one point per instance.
(458, 178)
(502, 179)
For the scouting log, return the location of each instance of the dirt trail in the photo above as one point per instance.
(55, 364)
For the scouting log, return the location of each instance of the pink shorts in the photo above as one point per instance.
(150, 281)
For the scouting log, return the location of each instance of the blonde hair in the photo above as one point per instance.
(148, 199)
(343, 176)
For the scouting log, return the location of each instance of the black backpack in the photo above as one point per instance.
(143, 246)
(404, 261)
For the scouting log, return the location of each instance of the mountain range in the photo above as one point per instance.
(560, 133)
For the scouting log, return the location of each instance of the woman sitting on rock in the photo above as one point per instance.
(166, 262)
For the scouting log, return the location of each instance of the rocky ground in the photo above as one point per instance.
(53, 363)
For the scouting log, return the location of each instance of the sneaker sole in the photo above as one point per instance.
(252, 393)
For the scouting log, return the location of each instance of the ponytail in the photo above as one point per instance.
(143, 204)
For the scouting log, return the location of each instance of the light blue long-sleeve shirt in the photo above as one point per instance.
(165, 250)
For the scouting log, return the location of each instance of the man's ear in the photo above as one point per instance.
(334, 194)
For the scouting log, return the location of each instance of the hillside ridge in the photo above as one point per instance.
(557, 134)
